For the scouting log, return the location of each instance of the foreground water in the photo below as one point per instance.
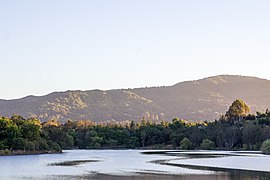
(126, 164)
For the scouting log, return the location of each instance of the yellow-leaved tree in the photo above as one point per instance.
(237, 110)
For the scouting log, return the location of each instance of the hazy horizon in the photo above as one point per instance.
(83, 45)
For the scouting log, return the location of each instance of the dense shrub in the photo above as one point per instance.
(207, 144)
(185, 144)
(265, 148)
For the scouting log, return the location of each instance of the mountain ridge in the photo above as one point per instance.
(196, 100)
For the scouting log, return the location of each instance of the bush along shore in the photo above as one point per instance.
(236, 130)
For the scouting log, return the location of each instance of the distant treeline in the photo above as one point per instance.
(235, 130)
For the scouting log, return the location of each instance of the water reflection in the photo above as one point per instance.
(218, 176)
(237, 164)
(132, 164)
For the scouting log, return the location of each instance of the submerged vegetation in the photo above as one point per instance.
(72, 163)
(235, 130)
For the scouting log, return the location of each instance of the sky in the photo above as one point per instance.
(61, 45)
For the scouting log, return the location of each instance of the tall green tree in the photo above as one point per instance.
(237, 110)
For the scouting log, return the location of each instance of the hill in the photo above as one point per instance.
(199, 100)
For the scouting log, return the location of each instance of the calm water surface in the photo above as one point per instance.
(119, 164)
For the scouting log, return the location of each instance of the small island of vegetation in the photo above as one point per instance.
(236, 130)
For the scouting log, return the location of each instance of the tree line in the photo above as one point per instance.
(236, 129)
(19, 134)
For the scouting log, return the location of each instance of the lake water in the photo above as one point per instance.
(126, 164)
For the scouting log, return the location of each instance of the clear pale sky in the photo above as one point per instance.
(50, 45)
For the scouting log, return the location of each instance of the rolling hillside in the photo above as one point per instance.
(198, 100)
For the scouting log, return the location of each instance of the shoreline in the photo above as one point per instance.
(22, 152)
(7, 152)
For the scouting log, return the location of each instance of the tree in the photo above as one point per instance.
(3, 145)
(31, 129)
(43, 145)
(54, 146)
(143, 137)
(185, 144)
(237, 110)
(266, 133)
(207, 144)
(132, 125)
(177, 123)
(196, 135)
(251, 135)
(265, 148)
(175, 138)
(231, 136)
(19, 143)
(93, 140)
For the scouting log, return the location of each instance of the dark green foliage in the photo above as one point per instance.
(185, 144)
(54, 146)
(235, 130)
(3, 145)
(231, 136)
(19, 143)
(196, 135)
(30, 135)
(208, 144)
(17, 133)
(252, 135)
(175, 138)
(265, 148)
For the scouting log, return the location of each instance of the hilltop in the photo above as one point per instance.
(199, 100)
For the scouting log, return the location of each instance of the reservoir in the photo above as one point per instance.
(137, 164)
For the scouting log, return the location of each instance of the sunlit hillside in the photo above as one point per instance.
(199, 100)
